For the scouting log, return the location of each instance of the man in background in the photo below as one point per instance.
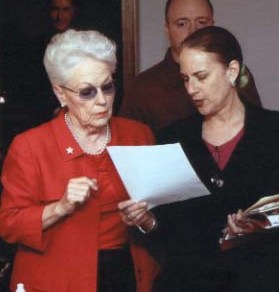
(62, 13)
(157, 96)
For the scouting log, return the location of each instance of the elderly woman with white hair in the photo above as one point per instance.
(60, 188)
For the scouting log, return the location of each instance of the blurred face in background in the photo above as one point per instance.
(62, 14)
(185, 17)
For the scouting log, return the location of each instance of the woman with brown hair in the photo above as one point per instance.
(234, 149)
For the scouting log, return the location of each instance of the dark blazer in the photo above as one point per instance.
(186, 241)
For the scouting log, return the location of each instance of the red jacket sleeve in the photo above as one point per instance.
(21, 211)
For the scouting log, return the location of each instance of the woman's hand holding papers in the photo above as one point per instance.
(241, 223)
(137, 214)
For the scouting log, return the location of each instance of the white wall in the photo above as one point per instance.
(254, 22)
(152, 41)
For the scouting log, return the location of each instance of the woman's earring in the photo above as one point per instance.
(63, 104)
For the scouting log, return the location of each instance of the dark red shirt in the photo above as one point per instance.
(222, 153)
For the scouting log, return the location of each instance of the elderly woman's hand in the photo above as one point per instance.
(77, 193)
(240, 223)
(137, 214)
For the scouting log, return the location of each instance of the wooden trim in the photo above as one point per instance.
(130, 40)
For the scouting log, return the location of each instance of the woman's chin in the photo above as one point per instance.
(99, 123)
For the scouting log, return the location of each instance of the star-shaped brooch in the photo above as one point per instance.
(70, 150)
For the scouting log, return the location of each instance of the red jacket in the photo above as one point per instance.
(36, 171)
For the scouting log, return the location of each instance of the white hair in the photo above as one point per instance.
(67, 49)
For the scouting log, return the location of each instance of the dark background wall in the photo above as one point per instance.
(25, 31)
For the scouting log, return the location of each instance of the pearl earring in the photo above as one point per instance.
(63, 104)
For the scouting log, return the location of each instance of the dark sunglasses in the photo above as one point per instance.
(90, 91)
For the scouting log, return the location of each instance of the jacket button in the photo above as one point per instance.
(217, 182)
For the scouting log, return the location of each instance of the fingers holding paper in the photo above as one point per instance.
(137, 214)
(235, 224)
(133, 212)
(240, 223)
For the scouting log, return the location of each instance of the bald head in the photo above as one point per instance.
(183, 17)
(168, 3)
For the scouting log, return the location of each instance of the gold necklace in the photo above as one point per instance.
(77, 136)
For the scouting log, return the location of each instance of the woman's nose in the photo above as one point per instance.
(191, 87)
(100, 97)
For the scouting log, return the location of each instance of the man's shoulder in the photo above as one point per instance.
(152, 73)
(148, 82)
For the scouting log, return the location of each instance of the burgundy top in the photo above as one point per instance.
(222, 153)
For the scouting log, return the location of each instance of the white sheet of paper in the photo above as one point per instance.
(157, 174)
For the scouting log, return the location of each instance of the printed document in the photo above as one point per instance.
(158, 174)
